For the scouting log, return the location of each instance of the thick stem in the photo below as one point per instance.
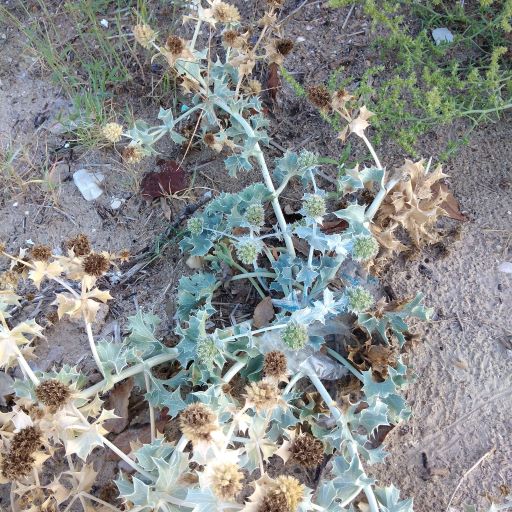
(127, 459)
(345, 363)
(26, 369)
(151, 409)
(129, 372)
(233, 371)
(92, 345)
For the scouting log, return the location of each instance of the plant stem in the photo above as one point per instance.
(257, 331)
(129, 372)
(345, 363)
(26, 368)
(372, 151)
(127, 459)
(151, 409)
(233, 371)
(266, 175)
(92, 345)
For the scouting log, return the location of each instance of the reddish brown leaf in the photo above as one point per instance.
(263, 313)
(450, 205)
(331, 227)
(118, 400)
(169, 179)
(300, 245)
(273, 81)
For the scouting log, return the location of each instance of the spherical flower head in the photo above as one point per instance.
(206, 351)
(225, 13)
(307, 159)
(80, 245)
(53, 393)
(295, 335)
(144, 34)
(263, 395)
(18, 462)
(275, 364)
(195, 226)
(307, 450)
(95, 264)
(133, 154)
(283, 46)
(314, 205)
(226, 481)
(255, 215)
(365, 248)
(231, 38)
(320, 96)
(247, 250)
(291, 489)
(273, 502)
(197, 422)
(40, 253)
(359, 299)
(175, 45)
(112, 132)
(253, 87)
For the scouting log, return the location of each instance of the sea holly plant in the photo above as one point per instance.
(244, 395)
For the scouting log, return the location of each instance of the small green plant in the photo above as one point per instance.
(426, 85)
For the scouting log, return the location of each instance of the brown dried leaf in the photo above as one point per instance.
(170, 179)
(450, 205)
(263, 313)
(118, 401)
(273, 81)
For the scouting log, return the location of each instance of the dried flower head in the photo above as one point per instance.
(339, 102)
(175, 45)
(225, 13)
(96, 264)
(359, 299)
(53, 393)
(365, 248)
(226, 481)
(41, 253)
(274, 502)
(263, 395)
(112, 132)
(283, 46)
(275, 3)
(320, 97)
(307, 450)
(295, 335)
(27, 440)
(133, 154)
(15, 466)
(275, 364)
(291, 489)
(80, 245)
(232, 38)
(144, 34)
(124, 255)
(253, 87)
(197, 422)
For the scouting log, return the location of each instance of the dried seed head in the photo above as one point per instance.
(197, 422)
(253, 87)
(273, 502)
(226, 481)
(291, 489)
(320, 96)
(231, 38)
(144, 34)
(307, 450)
(27, 440)
(96, 264)
(295, 335)
(124, 255)
(209, 139)
(225, 13)
(275, 3)
(359, 299)
(112, 132)
(365, 248)
(275, 364)
(15, 466)
(80, 245)
(133, 154)
(52, 393)
(41, 253)
(175, 45)
(263, 395)
(283, 46)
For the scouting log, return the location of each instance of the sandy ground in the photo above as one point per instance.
(462, 396)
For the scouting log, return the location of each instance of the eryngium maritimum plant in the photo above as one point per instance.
(228, 434)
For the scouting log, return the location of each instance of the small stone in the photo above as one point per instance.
(88, 184)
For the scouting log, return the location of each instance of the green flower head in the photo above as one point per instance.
(359, 299)
(314, 206)
(195, 226)
(307, 159)
(206, 352)
(247, 250)
(295, 335)
(255, 215)
(365, 248)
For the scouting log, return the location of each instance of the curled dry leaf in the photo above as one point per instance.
(118, 402)
(170, 179)
(263, 313)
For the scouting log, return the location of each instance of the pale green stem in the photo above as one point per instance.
(292, 383)
(257, 331)
(259, 273)
(372, 151)
(266, 176)
(377, 201)
(92, 345)
(26, 368)
(345, 363)
(151, 408)
(127, 459)
(233, 371)
(129, 372)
